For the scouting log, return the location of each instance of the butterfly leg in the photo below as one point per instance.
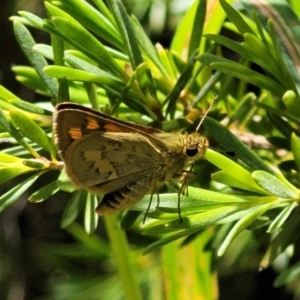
(185, 178)
(150, 201)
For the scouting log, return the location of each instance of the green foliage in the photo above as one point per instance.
(100, 56)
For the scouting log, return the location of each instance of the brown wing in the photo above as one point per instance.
(110, 160)
(73, 121)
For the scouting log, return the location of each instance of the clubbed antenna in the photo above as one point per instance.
(209, 109)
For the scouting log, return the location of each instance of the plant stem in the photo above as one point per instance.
(121, 251)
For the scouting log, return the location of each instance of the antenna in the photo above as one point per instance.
(209, 109)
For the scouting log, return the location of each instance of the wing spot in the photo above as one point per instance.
(75, 133)
(92, 124)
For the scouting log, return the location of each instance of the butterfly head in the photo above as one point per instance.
(195, 146)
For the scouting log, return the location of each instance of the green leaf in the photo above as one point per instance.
(166, 60)
(145, 81)
(46, 50)
(127, 33)
(32, 108)
(291, 101)
(282, 217)
(9, 170)
(230, 44)
(72, 74)
(92, 94)
(276, 18)
(11, 129)
(242, 72)
(63, 91)
(64, 183)
(286, 129)
(81, 62)
(6, 158)
(37, 163)
(282, 125)
(242, 224)
(26, 42)
(44, 193)
(197, 199)
(148, 47)
(78, 36)
(30, 78)
(231, 143)
(105, 11)
(31, 130)
(213, 23)
(6, 95)
(15, 193)
(295, 144)
(182, 35)
(254, 50)
(175, 124)
(73, 208)
(58, 48)
(288, 275)
(236, 18)
(286, 64)
(197, 29)
(90, 216)
(198, 222)
(273, 185)
(185, 76)
(30, 19)
(288, 235)
(89, 17)
(240, 182)
(261, 55)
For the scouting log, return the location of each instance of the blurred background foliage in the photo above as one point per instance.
(39, 260)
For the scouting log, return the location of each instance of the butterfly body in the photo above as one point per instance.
(121, 160)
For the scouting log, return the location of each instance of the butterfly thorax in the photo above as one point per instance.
(191, 146)
(181, 151)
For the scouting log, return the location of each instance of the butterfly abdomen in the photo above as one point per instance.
(124, 197)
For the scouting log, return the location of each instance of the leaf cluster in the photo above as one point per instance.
(101, 56)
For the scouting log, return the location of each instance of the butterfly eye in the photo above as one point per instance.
(191, 150)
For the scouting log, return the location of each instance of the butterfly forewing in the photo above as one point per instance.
(101, 157)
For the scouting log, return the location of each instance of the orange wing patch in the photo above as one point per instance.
(92, 123)
(111, 127)
(75, 133)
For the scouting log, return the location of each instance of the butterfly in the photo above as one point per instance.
(121, 160)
